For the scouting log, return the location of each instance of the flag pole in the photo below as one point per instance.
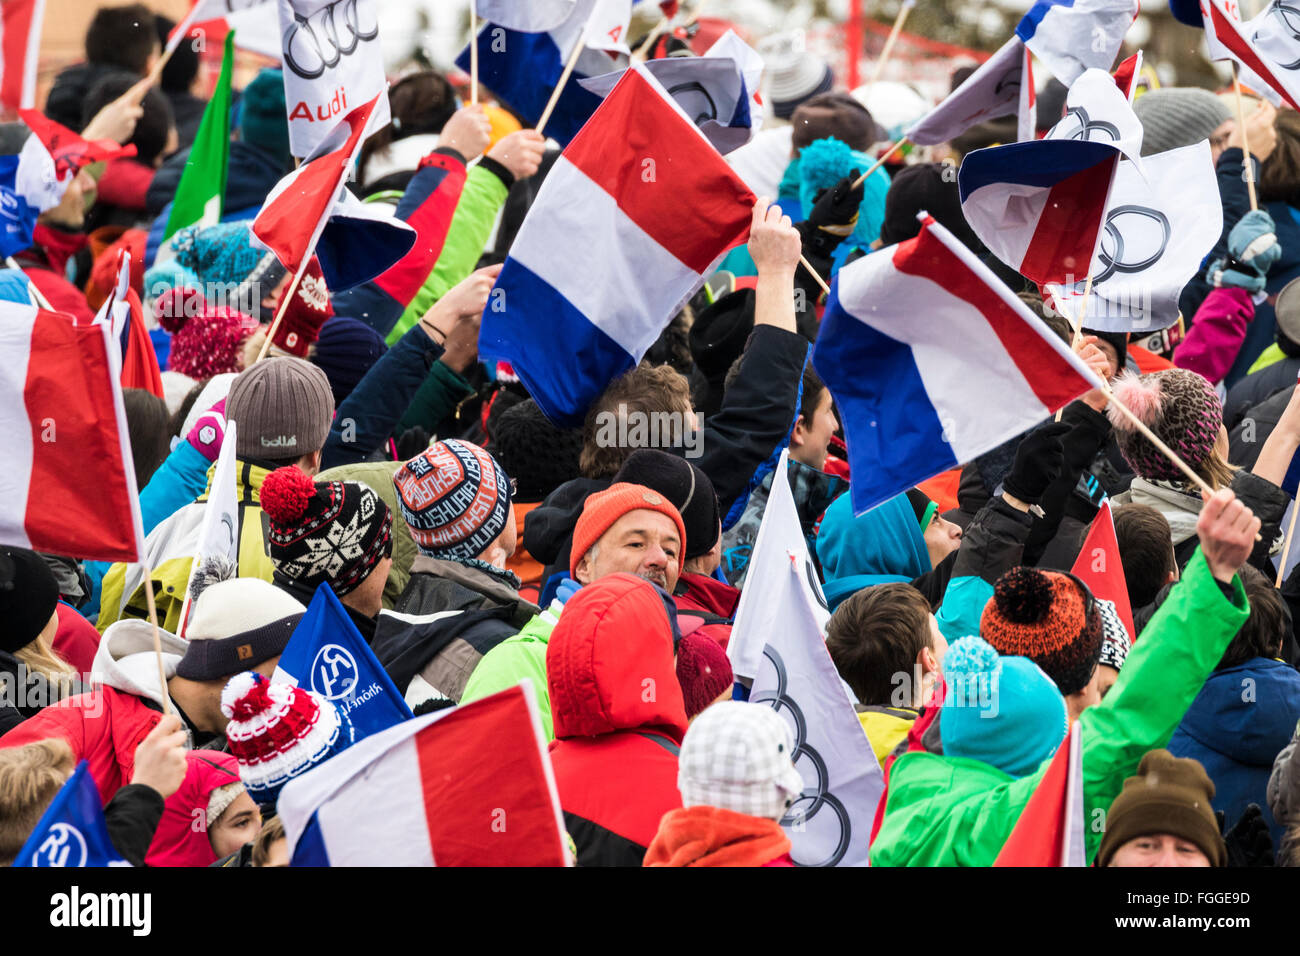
(564, 78)
(284, 304)
(43, 302)
(1286, 545)
(896, 29)
(473, 52)
(1247, 167)
(157, 637)
(880, 162)
(643, 48)
(813, 272)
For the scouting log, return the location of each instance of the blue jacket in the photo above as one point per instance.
(1235, 727)
(883, 545)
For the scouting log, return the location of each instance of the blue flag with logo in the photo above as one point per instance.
(72, 832)
(327, 654)
(17, 215)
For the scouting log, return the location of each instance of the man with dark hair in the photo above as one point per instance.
(1246, 710)
(1146, 551)
(180, 77)
(118, 40)
(888, 648)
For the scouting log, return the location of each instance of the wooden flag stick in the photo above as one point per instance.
(643, 48)
(1160, 446)
(284, 305)
(1247, 167)
(1286, 544)
(880, 162)
(473, 52)
(564, 78)
(897, 28)
(157, 637)
(813, 272)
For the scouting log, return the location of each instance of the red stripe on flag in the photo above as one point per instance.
(662, 173)
(1099, 566)
(1053, 380)
(486, 798)
(17, 24)
(1066, 234)
(79, 502)
(1038, 835)
(1225, 29)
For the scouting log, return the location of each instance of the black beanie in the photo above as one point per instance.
(929, 187)
(682, 483)
(718, 336)
(532, 451)
(28, 596)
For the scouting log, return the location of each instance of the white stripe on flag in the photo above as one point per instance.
(1015, 209)
(16, 476)
(628, 282)
(33, 57)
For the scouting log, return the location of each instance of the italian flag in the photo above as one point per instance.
(202, 188)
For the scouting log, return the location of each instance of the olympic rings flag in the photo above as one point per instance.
(778, 640)
(332, 64)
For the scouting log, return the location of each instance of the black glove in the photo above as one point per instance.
(412, 442)
(1249, 842)
(1039, 461)
(833, 217)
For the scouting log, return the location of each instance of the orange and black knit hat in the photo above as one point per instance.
(1049, 617)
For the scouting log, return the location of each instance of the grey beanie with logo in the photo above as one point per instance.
(283, 408)
(1178, 116)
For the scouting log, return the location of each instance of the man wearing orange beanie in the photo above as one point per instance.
(624, 529)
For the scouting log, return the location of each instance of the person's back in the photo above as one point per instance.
(619, 718)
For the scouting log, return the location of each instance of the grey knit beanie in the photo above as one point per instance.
(283, 408)
(1178, 116)
(792, 73)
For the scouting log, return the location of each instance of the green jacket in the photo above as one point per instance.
(951, 811)
(515, 658)
(471, 225)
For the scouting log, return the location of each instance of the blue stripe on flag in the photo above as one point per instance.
(564, 360)
(892, 430)
(1042, 163)
(522, 70)
(1028, 25)
(310, 850)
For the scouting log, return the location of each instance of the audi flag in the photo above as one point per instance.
(778, 640)
(332, 64)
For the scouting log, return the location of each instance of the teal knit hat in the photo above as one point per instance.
(1003, 711)
(262, 118)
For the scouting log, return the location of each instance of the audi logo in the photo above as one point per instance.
(319, 42)
(1145, 243)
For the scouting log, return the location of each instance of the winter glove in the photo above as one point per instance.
(1249, 842)
(412, 442)
(1039, 460)
(1252, 250)
(208, 431)
(567, 589)
(834, 216)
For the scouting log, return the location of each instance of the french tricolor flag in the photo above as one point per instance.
(1071, 36)
(68, 485)
(469, 786)
(634, 214)
(1266, 47)
(932, 362)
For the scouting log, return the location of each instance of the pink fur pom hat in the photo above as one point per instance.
(1180, 407)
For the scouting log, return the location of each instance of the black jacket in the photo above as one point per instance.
(757, 414)
(72, 88)
(253, 172)
(1258, 387)
(132, 817)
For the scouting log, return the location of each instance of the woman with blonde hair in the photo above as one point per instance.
(32, 674)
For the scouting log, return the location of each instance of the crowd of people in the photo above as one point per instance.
(474, 543)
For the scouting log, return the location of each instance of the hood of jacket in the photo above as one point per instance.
(1180, 509)
(609, 662)
(699, 592)
(1246, 713)
(885, 544)
(549, 530)
(126, 660)
(712, 836)
(178, 841)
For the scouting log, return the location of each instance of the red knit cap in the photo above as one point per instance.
(304, 316)
(703, 670)
(1048, 617)
(206, 339)
(606, 507)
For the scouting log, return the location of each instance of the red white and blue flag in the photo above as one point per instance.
(633, 215)
(20, 47)
(61, 411)
(1267, 47)
(256, 24)
(311, 210)
(1071, 36)
(916, 342)
(468, 786)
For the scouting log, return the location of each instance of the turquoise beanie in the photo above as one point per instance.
(262, 117)
(883, 545)
(1003, 711)
(822, 164)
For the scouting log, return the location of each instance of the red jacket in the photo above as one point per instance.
(715, 599)
(619, 718)
(103, 726)
(77, 640)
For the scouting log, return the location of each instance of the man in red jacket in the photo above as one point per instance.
(619, 717)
